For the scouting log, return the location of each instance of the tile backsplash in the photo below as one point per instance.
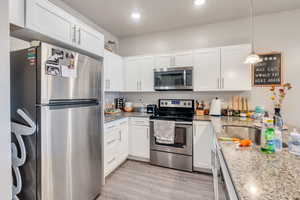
(145, 98)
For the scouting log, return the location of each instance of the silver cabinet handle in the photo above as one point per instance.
(140, 85)
(106, 84)
(79, 36)
(137, 85)
(218, 82)
(223, 83)
(110, 127)
(147, 133)
(123, 123)
(109, 84)
(74, 34)
(120, 135)
(110, 142)
(112, 160)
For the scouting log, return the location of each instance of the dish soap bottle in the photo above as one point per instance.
(294, 143)
(268, 137)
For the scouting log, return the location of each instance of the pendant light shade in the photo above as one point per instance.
(253, 58)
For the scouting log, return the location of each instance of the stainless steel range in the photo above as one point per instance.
(176, 153)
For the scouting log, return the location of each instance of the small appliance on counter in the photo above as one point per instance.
(215, 107)
(120, 103)
(151, 108)
(128, 107)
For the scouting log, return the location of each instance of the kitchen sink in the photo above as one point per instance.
(243, 133)
(246, 133)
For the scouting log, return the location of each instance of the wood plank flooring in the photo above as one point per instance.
(142, 181)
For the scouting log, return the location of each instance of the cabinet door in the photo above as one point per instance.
(132, 74)
(235, 74)
(113, 72)
(123, 137)
(44, 17)
(90, 40)
(147, 74)
(117, 75)
(139, 145)
(162, 61)
(107, 70)
(207, 69)
(17, 12)
(203, 139)
(183, 59)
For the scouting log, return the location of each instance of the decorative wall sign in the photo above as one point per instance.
(269, 71)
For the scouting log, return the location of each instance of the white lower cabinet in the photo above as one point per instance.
(125, 138)
(115, 144)
(203, 140)
(139, 139)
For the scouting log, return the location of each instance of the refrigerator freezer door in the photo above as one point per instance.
(83, 82)
(70, 153)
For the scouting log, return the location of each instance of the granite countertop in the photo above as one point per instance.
(258, 176)
(113, 117)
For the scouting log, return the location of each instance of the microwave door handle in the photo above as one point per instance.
(184, 78)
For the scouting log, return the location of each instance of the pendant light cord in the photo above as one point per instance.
(252, 25)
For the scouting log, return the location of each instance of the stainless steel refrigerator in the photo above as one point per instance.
(61, 91)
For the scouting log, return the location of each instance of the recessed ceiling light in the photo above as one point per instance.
(136, 16)
(199, 2)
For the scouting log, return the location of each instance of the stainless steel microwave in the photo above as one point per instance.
(175, 78)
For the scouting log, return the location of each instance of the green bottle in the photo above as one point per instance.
(269, 141)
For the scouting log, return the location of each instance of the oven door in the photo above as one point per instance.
(179, 78)
(183, 139)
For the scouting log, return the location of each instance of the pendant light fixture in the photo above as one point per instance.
(253, 58)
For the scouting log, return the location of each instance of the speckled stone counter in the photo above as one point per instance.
(113, 117)
(258, 176)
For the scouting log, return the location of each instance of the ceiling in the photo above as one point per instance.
(163, 15)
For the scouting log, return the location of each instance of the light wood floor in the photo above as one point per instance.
(142, 181)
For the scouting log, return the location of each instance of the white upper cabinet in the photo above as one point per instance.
(139, 74)
(132, 75)
(235, 74)
(17, 12)
(181, 59)
(89, 39)
(113, 72)
(207, 69)
(147, 74)
(184, 59)
(44, 17)
(51, 21)
(162, 61)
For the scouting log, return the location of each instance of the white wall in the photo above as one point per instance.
(5, 156)
(276, 32)
(107, 35)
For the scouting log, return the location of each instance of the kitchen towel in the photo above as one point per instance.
(164, 131)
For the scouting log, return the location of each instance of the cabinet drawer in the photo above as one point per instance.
(140, 121)
(111, 138)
